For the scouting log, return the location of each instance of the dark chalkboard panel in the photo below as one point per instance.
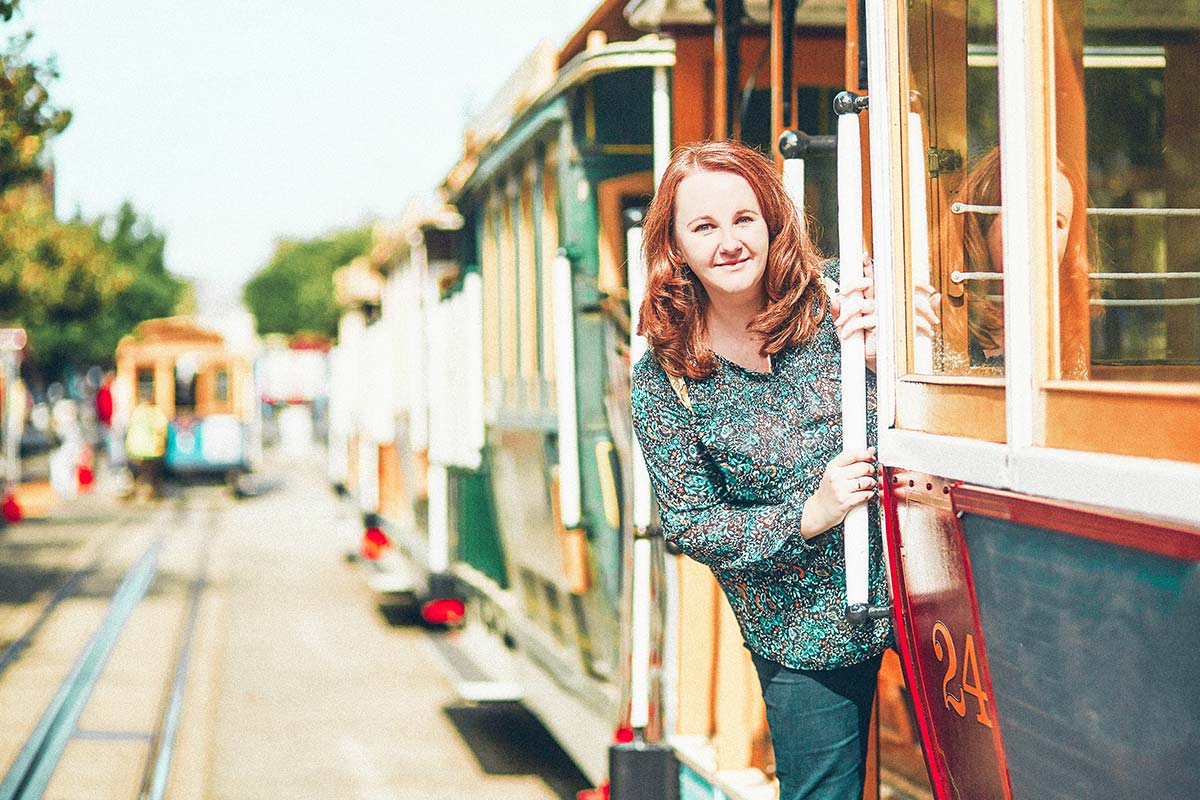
(1094, 654)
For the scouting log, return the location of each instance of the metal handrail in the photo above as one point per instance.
(1154, 302)
(958, 276)
(965, 208)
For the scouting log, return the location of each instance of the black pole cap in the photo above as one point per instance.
(849, 103)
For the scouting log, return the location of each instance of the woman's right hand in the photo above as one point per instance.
(849, 480)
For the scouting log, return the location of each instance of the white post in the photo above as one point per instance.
(568, 422)
(640, 610)
(12, 340)
(439, 519)
(12, 423)
(793, 182)
(661, 111)
(854, 390)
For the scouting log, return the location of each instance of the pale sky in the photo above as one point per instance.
(232, 123)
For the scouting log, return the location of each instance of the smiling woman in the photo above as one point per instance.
(736, 408)
(719, 197)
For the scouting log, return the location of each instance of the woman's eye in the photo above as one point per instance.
(745, 219)
(703, 226)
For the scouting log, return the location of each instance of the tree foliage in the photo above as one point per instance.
(78, 287)
(28, 119)
(293, 293)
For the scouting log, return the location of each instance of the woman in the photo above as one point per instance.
(978, 237)
(737, 409)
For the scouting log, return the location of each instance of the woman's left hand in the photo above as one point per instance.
(854, 310)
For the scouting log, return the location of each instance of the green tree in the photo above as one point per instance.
(77, 287)
(293, 293)
(137, 250)
(56, 280)
(28, 119)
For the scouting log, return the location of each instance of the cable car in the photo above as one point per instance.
(205, 388)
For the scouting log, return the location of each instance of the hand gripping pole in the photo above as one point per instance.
(854, 383)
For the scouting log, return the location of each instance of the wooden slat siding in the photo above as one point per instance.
(549, 245)
(529, 290)
(612, 278)
(976, 412)
(352, 463)
(510, 367)
(777, 87)
(739, 703)
(719, 129)
(164, 386)
(692, 110)
(391, 481)
(491, 301)
(1182, 187)
(698, 597)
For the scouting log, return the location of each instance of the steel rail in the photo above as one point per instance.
(68, 589)
(162, 745)
(34, 765)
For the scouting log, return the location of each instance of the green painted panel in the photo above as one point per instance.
(475, 524)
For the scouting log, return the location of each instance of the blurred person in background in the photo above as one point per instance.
(145, 446)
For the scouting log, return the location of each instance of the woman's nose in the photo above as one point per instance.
(729, 242)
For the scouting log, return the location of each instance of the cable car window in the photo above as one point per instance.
(1127, 113)
(221, 386)
(145, 384)
(954, 162)
(187, 367)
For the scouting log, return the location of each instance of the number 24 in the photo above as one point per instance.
(970, 680)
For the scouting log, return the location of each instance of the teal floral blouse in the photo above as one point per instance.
(732, 475)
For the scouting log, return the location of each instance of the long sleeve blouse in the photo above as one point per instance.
(732, 474)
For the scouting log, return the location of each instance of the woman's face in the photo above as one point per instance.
(1064, 205)
(722, 235)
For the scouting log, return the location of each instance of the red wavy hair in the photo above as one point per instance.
(674, 309)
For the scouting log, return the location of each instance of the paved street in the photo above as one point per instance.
(204, 647)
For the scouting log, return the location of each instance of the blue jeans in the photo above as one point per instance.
(819, 721)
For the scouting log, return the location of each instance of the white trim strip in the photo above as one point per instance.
(568, 422)
(883, 225)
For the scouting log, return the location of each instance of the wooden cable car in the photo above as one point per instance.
(205, 389)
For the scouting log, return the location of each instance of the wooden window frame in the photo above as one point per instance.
(967, 406)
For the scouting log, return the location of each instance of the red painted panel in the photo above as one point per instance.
(941, 641)
(1105, 525)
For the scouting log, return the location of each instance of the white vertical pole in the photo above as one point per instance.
(854, 390)
(13, 417)
(568, 421)
(639, 655)
(641, 601)
(439, 519)
(793, 182)
(661, 111)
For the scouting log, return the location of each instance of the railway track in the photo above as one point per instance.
(162, 563)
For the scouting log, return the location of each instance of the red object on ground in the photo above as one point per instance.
(374, 544)
(84, 475)
(599, 793)
(11, 509)
(623, 735)
(443, 611)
